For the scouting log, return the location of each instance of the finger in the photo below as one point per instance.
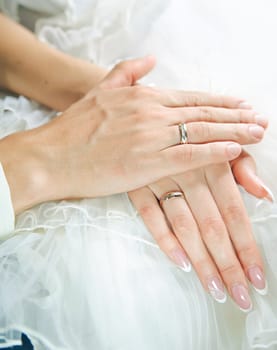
(214, 115)
(128, 72)
(185, 228)
(237, 222)
(178, 159)
(198, 133)
(149, 209)
(210, 132)
(173, 98)
(245, 173)
(214, 234)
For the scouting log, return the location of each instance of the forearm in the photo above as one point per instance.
(38, 71)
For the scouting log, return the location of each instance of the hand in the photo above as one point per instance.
(209, 227)
(123, 132)
(245, 173)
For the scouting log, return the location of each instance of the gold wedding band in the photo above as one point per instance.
(183, 133)
(169, 195)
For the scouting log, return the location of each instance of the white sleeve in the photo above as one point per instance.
(7, 217)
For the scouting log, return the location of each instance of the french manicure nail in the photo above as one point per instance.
(269, 195)
(216, 289)
(234, 150)
(245, 105)
(257, 278)
(241, 297)
(256, 131)
(263, 121)
(180, 258)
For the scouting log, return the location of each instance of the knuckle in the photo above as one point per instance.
(213, 228)
(146, 210)
(229, 269)
(140, 92)
(201, 264)
(181, 224)
(239, 131)
(233, 213)
(135, 91)
(206, 114)
(193, 100)
(248, 251)
(240, 116)
(138, 118)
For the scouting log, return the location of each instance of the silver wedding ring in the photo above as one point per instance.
(169, 195)
(183, 133)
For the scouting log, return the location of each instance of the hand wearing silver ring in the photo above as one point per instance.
(125, 132)
(199, 132)
(197, 219)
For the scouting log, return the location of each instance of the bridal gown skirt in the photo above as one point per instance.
(87, 274)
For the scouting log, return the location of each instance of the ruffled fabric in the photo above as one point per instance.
(87, 274)
(91, 29)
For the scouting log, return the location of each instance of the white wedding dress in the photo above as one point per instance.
(87, 275)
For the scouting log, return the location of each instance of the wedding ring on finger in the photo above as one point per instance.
(170, 195)
(183, 133)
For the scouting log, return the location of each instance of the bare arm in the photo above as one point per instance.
(38, 71)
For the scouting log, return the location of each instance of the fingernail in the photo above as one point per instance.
(256, 131)
(257, 278)
(216, 289)
(263, 121)
(245, 105)
(180, 258)
(269, 195)
(234, 150)
(241, 297)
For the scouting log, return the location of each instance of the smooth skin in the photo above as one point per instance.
(143, 121)
(113, 132)
(209, 228)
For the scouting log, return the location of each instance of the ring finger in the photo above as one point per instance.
(186, 230)
(216, 236)
(199, 133)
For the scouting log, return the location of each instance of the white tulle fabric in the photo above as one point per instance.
(87, 274)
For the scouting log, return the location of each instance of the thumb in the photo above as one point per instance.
(245, 173)
(128, 72)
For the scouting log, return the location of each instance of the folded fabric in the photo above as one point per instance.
(6, 207)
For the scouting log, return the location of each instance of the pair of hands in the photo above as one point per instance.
(122, 137)
(210, 227)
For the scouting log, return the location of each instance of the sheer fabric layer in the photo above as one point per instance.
(87, 274)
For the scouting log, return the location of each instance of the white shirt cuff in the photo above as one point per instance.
(7, 217)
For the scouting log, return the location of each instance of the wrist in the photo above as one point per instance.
(25, 172)
(76, 78)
